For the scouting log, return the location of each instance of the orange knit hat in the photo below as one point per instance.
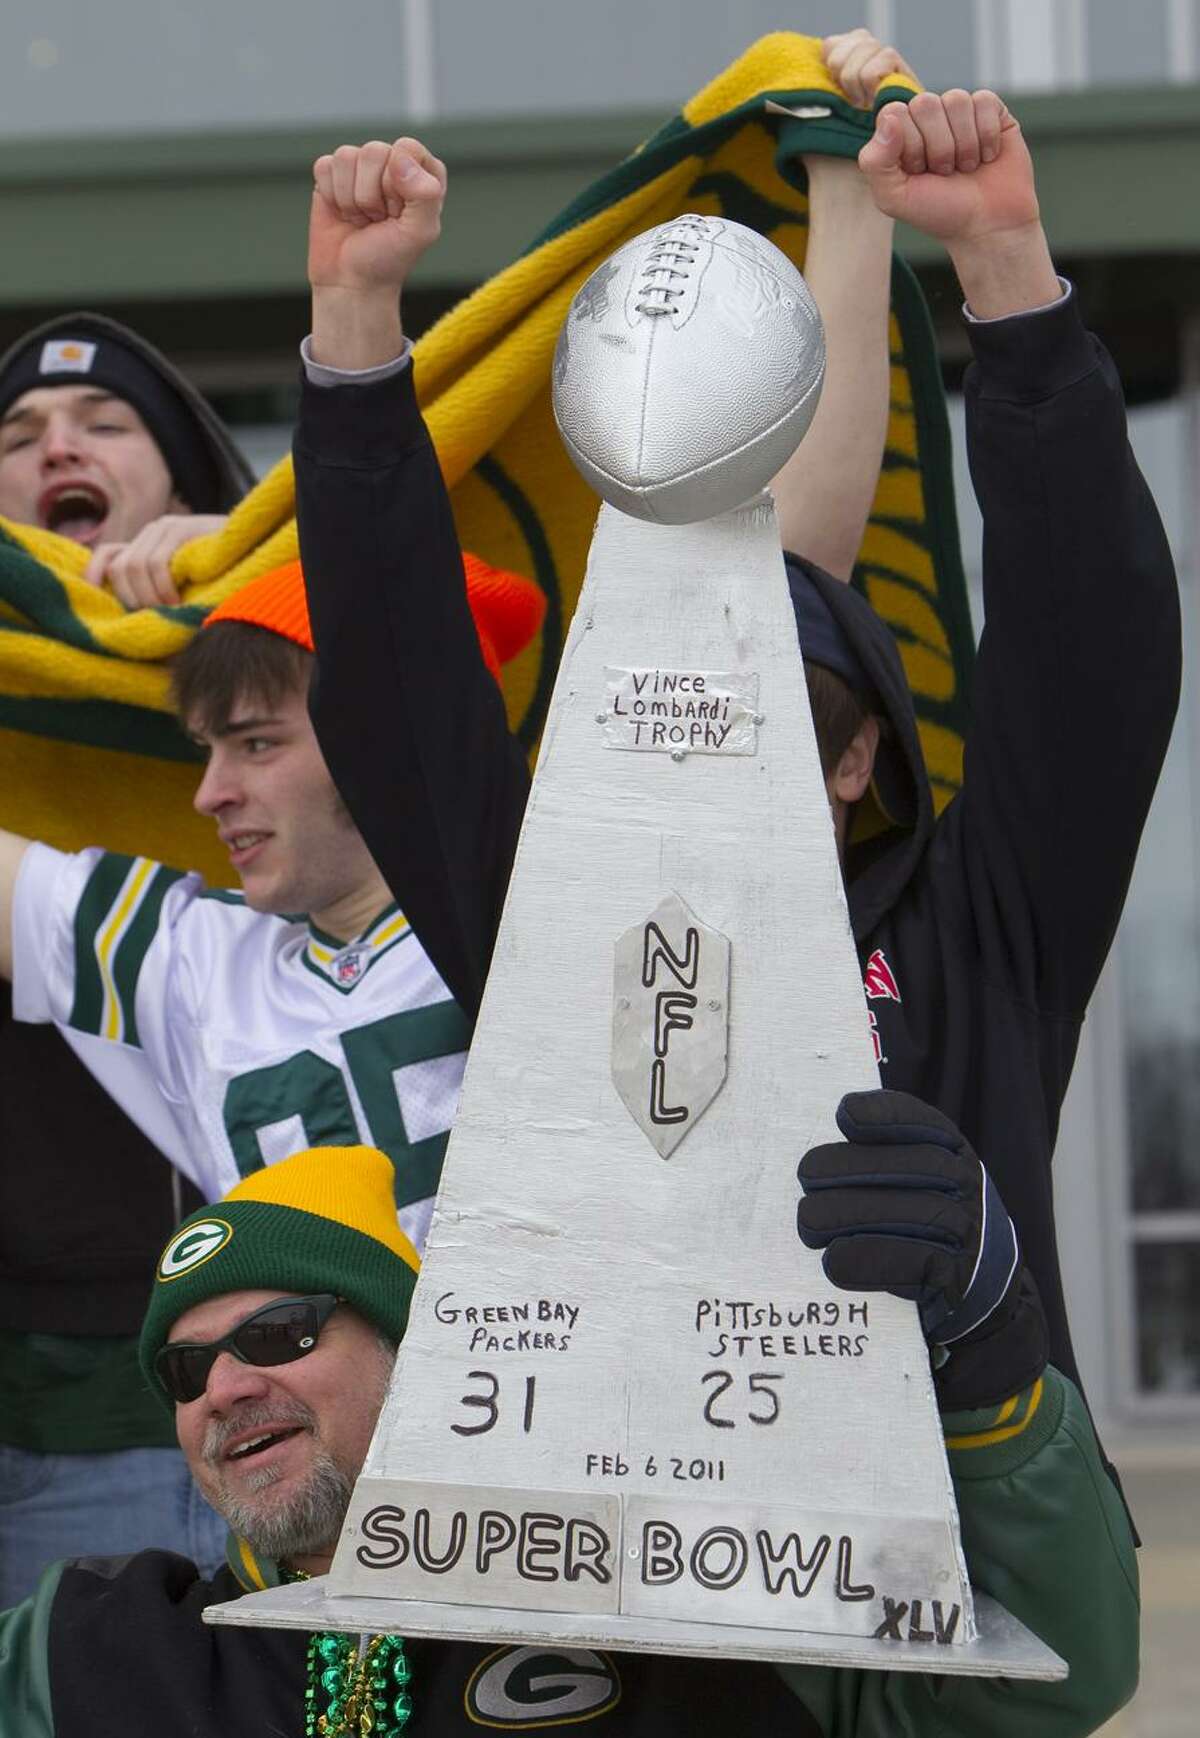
(275, 600)
(507, 608)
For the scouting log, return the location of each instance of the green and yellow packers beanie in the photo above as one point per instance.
(323, 1220)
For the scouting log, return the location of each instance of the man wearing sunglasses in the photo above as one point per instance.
(275, 1434)
(272, 1330)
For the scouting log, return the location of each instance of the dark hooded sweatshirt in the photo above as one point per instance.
(981, 935)
(86, 1201)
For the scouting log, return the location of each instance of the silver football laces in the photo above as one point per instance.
(670, 257)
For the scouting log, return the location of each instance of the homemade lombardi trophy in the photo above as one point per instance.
(629, 1410)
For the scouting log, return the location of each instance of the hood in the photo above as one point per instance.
(73, 349)
(891, 826)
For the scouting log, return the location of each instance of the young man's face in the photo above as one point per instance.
(277, 1450)
(288, 834)
(77, 460)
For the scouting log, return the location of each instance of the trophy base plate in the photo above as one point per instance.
(1003, 1646)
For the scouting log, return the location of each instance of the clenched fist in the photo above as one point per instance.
(957, 167)
(954, 166)
(375, 210)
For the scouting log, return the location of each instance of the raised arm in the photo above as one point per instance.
(823, 494)
(12, 851)
(409, 720)
(1077, 679)
(376, 208)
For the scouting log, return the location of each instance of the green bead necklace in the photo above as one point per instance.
(363, 1685)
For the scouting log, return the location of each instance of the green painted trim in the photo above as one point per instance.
(506, 142)
(112, 219)
(1100, 112)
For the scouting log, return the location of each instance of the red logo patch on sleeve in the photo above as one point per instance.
(879, 981)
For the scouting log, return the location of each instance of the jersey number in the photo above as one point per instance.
(309, 1087)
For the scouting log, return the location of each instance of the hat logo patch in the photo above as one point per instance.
(193, 1246)
(67, 356)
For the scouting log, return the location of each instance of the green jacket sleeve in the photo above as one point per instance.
(1045, 1533)
(24, 1663)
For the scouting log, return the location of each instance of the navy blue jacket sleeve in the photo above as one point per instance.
(1078, 674)
(408, 717)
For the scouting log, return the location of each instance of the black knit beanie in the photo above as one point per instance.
(84, 349)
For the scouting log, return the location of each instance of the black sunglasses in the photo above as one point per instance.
(279, 1333)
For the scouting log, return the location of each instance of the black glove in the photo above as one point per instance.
(904, 1205)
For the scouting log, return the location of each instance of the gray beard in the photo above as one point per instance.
(308, 1521)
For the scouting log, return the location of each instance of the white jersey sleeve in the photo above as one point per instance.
(96, 948)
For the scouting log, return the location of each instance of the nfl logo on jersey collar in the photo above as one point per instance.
(348, 967)
(345, 964)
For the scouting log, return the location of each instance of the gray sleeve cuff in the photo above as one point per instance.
(1067, 287)
(320, 375)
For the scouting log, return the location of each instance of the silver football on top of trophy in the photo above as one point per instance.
(688, 369)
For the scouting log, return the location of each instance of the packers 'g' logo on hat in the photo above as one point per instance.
(194, 1245)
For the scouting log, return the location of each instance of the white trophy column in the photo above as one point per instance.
(627, 1390)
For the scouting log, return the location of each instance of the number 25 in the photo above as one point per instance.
(758, 1383)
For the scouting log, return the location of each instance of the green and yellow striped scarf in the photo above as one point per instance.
(88, 751)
